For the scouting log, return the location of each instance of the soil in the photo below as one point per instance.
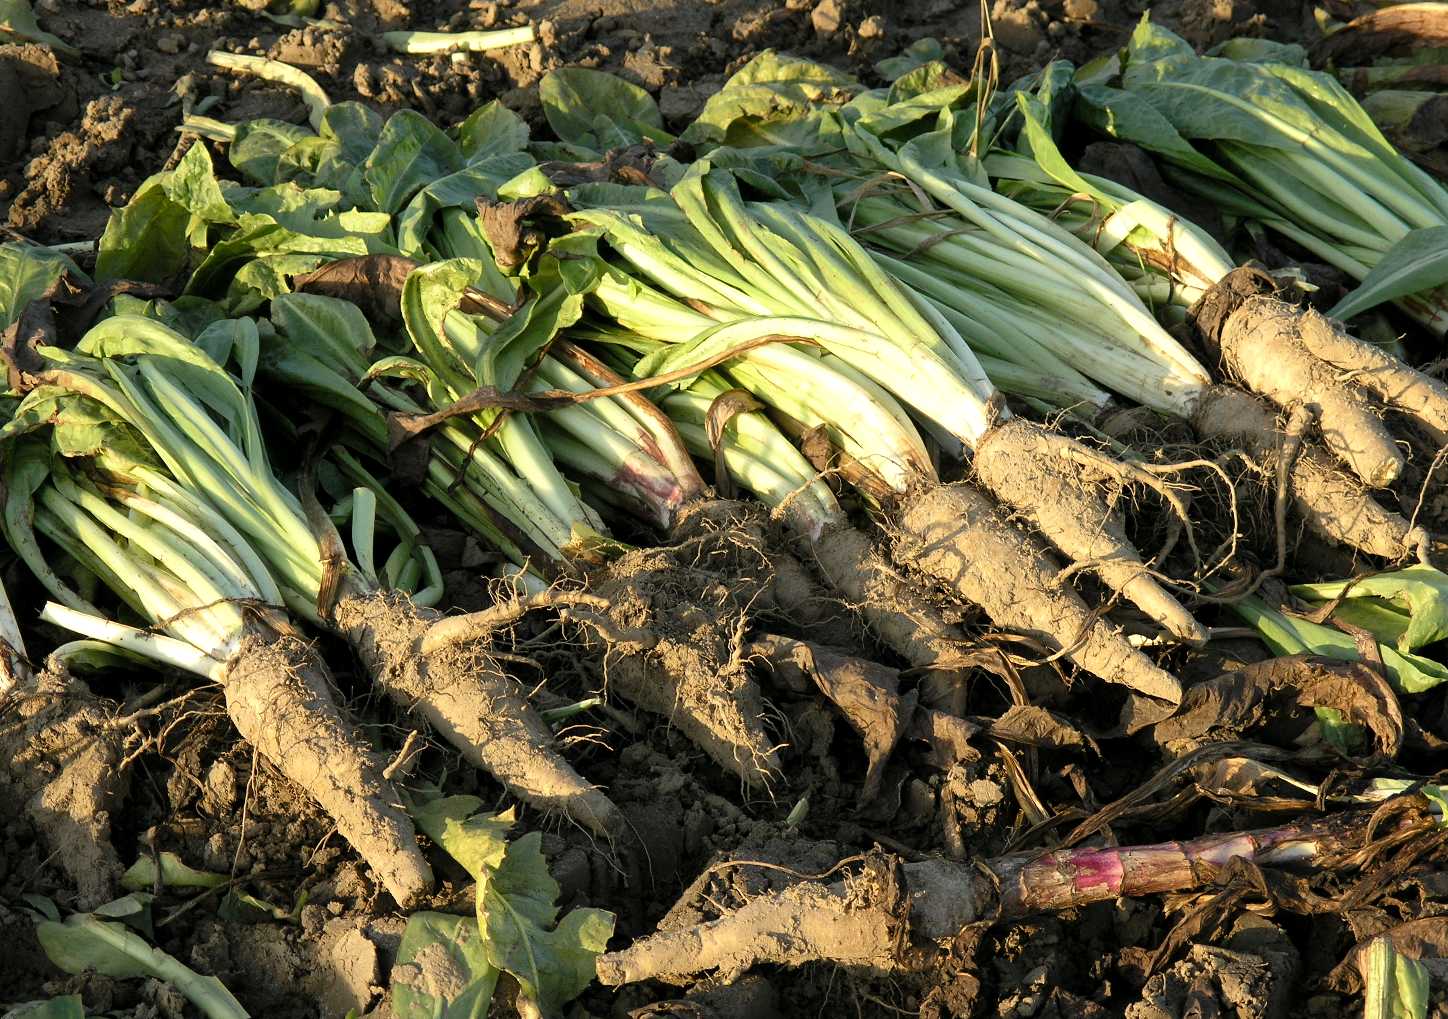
(78, 137)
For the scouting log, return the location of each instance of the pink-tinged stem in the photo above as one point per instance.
(1073, 877)
(659, 437)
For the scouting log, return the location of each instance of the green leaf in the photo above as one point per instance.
(1130, 118)
(67, 1006)
(917, 54)
(1417, 263)
(17, 19)
(146, 239)
(354, 127)
(477, 841)
(26, 274)
(597, 110)
(333, 330)
(1421, 592)
(1394, 986)
(516, 906)
(192, 185)
(428, 294)
(516, 901)
(492, 130)
(84, 942)
(1260, 51)
(411, 153)
(772, 88)
(258, 146)
(442, 969)
(174, 873)
(458, 190)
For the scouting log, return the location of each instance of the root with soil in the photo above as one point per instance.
(886, 917)
(440, 668)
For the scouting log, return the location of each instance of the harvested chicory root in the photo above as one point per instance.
(956, 535)
(886, 916)
(897, 610)
(1066, 492)
(64, 763)
(868, 695)
(1298, 357)
(668, 625)
(1330, 502)
(278, 697)
(439, 667)
(1423, 398)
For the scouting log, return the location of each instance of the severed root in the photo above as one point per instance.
(896, 611)
(63, 760)
(1061, 487)
(277, 696)
(669, 626)
(474, 705)
(955, 534)
(1262, 343)
(869, 920)
(1421, 397)
(1332, 504)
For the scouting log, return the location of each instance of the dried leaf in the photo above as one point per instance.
(722, 410)
(505, 225)
(1236, 702)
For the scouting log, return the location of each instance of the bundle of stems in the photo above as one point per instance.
(935, 238)
(143, 463)
(1277, 144)
(722, 276)
(512, 417)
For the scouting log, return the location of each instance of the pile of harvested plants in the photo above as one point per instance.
(894, 509)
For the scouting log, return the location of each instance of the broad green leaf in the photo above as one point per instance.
(772, 88)
(193, 186)
(174, 873)
(477, 841)
(333, 330)
(411, 153)
(259, 235)
(83, 943)
(517, 899)
(26, 274)
(259, 144)
(68, 1006)
(270, 276)
(232, 340)
(1417, 263)
(354, 127)
(1260, 51)
(146, 239)
(442, 969)
(429, 293)
(1130, 118)
(1394, 986)
(1037, 142)
(1150, 44)
(598, 110)
(527, 331)
(17, 21)
(455, 191)
(492, 130)
(516, 909)
(917, 54)
(1419, 592)
(315, 212)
